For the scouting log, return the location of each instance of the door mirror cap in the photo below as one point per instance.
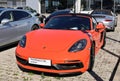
(42, 25)
(100, 26)
(5, 21)
(37, 14)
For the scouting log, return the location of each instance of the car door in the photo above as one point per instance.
(7, 30)
(22, 20)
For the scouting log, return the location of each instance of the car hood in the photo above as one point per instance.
(53, 40)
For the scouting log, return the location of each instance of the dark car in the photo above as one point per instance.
(28, 9)
(58, 12)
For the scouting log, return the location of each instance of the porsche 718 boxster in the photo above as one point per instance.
(67, 44)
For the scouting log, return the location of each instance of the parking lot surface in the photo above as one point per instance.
(106, 67)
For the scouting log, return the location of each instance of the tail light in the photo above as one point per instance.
(108, 20)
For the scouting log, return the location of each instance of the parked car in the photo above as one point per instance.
(58, 12)
(107, 17)
(28, 9)
(67, 44)
(14, 24)
(34, 12)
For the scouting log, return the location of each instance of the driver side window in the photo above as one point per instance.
(6, 15)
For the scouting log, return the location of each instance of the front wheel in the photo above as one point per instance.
(35, 27)
(113, 29)
(92, 57)
(104, 40)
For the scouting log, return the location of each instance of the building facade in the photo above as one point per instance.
(12, 3)
(48, 6)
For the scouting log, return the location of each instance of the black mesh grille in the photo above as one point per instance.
(22, 61)
(69, 66)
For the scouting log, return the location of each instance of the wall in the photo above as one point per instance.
(35, 4)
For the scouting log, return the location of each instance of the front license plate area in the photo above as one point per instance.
(36, 61)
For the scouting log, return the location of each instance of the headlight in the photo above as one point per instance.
(78, 46)
(22, 42)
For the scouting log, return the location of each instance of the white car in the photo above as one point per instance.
(107, 17)
(14, 23)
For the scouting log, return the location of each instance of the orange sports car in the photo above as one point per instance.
(66, 44)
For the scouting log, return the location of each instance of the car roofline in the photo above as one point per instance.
(12, 9)
(76, 14)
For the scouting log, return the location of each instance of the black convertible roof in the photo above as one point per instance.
(77, 14)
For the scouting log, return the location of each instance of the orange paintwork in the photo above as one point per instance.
(54, 45)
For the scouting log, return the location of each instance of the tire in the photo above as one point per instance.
(92, 57)
(35, 27)
(116, 25)
(104, 40)
(113, 29)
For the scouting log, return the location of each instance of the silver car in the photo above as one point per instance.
(107, 17)
(14, 24)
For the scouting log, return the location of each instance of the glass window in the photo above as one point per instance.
(1, 11)
(49, 6)
(94, 23)
(106, 12)
(6, 15)
(20, 15)
(69, 23)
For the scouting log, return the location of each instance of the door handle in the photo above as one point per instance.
(28, 22)
(15, 25)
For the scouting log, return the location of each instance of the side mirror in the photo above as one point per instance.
(42, 25)
(37, 14)
(100, 26)
(5, 21)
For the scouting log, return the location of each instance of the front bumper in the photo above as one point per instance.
(68, 68)
(109, 28)
(109, 25)
(62, 63)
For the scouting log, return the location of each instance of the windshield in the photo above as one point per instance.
(69, 23)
